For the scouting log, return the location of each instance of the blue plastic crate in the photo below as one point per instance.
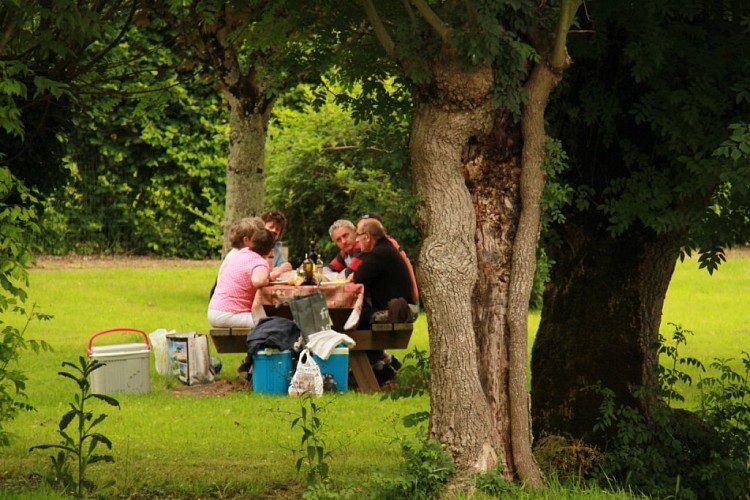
(272, 371)
(337, 365)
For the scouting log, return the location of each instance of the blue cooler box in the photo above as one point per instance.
(337, 365)
(272, 371)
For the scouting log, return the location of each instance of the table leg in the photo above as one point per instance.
(363, 374)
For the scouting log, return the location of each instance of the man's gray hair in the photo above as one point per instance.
(339, 224)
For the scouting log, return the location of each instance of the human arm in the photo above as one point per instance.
(278, 271)
(260, 277)
(412, 276)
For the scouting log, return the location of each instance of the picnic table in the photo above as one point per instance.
(344, 301)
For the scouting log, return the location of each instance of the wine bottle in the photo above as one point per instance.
(308, 271)
(312, 251)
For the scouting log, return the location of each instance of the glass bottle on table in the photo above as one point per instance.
(308, 271)
(319, 277)
(314, 256)
(312, 251)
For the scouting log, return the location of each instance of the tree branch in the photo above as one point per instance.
(409, 13)
(8, 33)
(543, 79)
(380, 32)
(558, 57)
(433, 20)
(115, 41)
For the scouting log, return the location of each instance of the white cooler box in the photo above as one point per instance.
(127, 366)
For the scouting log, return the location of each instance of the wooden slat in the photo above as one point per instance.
(387, 327)
(368, 339)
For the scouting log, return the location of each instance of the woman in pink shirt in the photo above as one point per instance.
(232, 302)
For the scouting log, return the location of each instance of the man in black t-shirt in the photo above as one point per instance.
(382, 271)
(385, 276)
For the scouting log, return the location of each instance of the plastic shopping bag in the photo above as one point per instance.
(307, 378)
(310, 313)
(158, 340)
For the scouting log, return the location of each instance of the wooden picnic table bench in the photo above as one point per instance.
(382, 336)
(344, 302)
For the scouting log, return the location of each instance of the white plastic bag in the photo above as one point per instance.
(158, 340)
(307, 378)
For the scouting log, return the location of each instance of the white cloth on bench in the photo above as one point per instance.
(323, 343)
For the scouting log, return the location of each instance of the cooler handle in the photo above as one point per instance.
(111, 330)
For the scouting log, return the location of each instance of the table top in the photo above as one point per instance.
(338, 295)
(344, 301)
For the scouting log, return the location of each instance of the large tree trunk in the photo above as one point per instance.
(247, 145)
(601, 317)
(544, 77)
(492, 170)
(447, 267)
(507, 236)
(216, 45)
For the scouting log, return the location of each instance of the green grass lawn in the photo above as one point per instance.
(173, 440)
(715, 308)
(240, 443)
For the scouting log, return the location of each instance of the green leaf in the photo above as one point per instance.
(107, 399)
(67, 418)
(101, 458)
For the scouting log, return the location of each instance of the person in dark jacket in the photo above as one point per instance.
(385, 277)
(382, 271)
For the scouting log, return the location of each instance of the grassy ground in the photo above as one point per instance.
(229, 442)
(174, 439)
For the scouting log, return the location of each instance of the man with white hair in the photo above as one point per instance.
(343, 233)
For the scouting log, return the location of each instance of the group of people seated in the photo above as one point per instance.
(367, 255)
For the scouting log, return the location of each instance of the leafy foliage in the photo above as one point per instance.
(676, 452)
(12, 380)
(671, 375)
(51, 55)
(17, 221)
(725, 399)
(653, 116)
(426, 469)
(313, 452)
(80, 446)
(323, 166)
(145, 169)
(413, 377)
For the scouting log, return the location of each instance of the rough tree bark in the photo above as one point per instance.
(214, 42)
(582, 339)
(447, 272)
(503, 290)
(454, 117)
(249, 111)
(542, 80)
(245, 165)
(492, 170)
